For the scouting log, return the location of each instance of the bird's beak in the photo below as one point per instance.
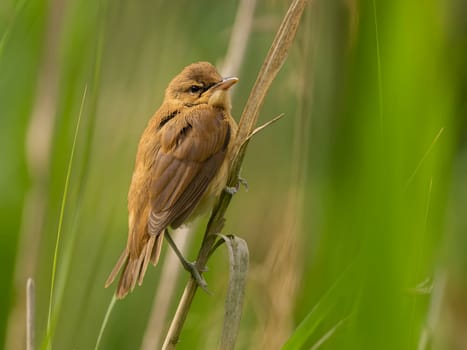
(225, 84)
(218, 95)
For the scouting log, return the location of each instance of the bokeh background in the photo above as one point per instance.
(355, 214)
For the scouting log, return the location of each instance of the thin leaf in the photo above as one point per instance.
(105, 321)
(60, 223)
(238, 258)
(304, 332)
(327, 335)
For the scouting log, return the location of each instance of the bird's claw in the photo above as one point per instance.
(234, 189)
(195, 273)
(242, 181)
(231, 190)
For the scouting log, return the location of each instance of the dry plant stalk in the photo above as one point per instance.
(30, 314)
(272, 64)
(239, 38)
(231, 64)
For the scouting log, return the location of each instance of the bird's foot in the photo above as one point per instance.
(231, 190)
(189, 266)
(196, 274)
(234, 189)
(242, 181)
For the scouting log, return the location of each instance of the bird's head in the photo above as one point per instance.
(200, 83)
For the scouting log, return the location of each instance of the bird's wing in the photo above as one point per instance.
(192, 148)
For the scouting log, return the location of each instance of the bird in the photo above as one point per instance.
(182, 165)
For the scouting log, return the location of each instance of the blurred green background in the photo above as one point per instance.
(355, 216)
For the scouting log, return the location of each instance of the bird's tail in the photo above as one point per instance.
(135, 268)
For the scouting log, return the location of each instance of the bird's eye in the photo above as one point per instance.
(195, 88)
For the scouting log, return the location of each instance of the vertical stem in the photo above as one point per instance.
(30, 314)
(272, 64)
(230, 66)
(239, 38)
(176, 326)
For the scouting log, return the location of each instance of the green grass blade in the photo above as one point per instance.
(60, 224)
(105, 321)
(380, 75)
(6, 34)
(306, 329)
(327, 335)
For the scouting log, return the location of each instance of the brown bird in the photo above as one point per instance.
(182, 164)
